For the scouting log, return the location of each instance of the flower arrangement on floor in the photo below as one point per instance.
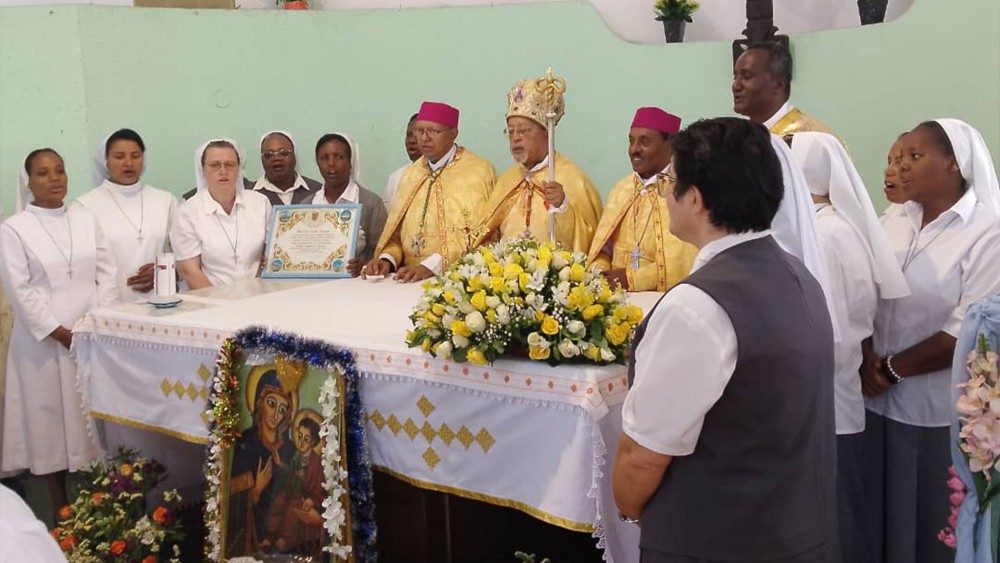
(223, 412)
(108, 521)
(979, 416)
(519, 293)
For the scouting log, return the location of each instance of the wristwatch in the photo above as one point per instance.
(626, 519)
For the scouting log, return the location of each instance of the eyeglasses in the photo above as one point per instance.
(429, 132)
(219, 165)
(663, 188)
(283, 153)
(512, 132)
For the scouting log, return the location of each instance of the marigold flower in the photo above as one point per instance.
(149, 559)
(117, 547)
(162, 515)
(55, 533)
(97, 498)
(68, 543)
(126, 470)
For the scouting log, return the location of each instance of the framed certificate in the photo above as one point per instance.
(311, 241)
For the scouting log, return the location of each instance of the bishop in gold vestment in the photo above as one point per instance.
(633, 245)
(434, 219)
(524, 202)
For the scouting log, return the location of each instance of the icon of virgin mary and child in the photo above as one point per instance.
(276, 485)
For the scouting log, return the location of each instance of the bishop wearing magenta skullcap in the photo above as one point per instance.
(633, 245)
(435, 213)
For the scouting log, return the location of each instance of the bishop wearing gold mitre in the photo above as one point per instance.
(434, 218)
(525, 201)
(762, 79)
(633, 245)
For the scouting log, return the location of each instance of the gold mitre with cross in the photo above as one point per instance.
(538, 99)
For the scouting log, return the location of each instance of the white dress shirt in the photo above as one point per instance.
(855, 298)
(263, 184)
(682, 364)
(539, 167)
(392, 185)
(204, 229)
(136, 222)
(350, 195)
(949, 264)
(23, 537)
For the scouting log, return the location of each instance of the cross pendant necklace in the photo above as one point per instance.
(69, 227)
(635, 255)
(142, 213)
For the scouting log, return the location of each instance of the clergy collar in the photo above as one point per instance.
(652, 179)
(444, 160)
(122, 189)
(209, 205)
(782, 112)
(713, 248)
(264, 184)
(46, 211)
(536, 168)
(963, 208)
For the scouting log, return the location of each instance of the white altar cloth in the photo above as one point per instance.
(518, 433)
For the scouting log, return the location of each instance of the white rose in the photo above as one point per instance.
(475, 321)
(478, 259)
(576, 328)
(564, 273)
(447, 319)
(460, 341)
(607, 355)
(558, 261)
(537, 340)
(465, 307)
(444, 349)
(568, 349)
(503, 314)
(492, 301)
(530, 299)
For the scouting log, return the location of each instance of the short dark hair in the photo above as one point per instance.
(413, 118)
(29, 160)
(779, 61)
(733, 165)
(124, 134)
(220, 144)
(333, 137)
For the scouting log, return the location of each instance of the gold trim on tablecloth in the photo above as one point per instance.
(150, 428)
(490, 499)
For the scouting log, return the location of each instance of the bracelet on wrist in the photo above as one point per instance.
(888, 370)
(626, 519)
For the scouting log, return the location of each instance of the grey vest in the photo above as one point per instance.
(760, 482)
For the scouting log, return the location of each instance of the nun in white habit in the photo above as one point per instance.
(55, 267)
(134, 217)
(219, 233)
(946, 239)
(861, 269)
(339, 162)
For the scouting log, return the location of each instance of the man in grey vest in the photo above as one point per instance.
(728, 449)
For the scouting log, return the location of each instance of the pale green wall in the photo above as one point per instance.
(181, 76)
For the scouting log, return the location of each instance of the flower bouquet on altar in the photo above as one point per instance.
(979, 417)
(108, 521)
(519, 293)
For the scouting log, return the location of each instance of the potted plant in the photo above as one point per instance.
(294, 4)
(674, 14)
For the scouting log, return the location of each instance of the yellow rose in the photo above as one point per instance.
(495, 268)
(476, 356)
(455, 276)
(593, 353)
(438, 309)
(497, 285)
(460, 328)
(449, 296)
(475, 284)
(479, 300)
(545, 252)
(605, 294)
(539, 352)
(590, 312)
(577, 272)
(523, 280)
(573, 300)
(512, 271)
(430, 318)
(634, 314)
(550, 325)
(426, 345)
(491, 316)
(617, 333)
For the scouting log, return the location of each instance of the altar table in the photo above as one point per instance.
(518, 433)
